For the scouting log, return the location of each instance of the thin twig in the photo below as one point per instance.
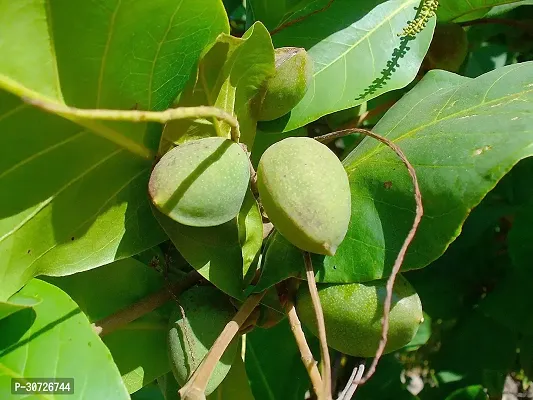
(326, 362)
(300, 19)
(145, 305)
(352, 384)
(162, 117)
(401, 254)
(305, 352)
(199, 379)
(503, 21)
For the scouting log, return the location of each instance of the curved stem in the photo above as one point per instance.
(162, 117)
(401, 254)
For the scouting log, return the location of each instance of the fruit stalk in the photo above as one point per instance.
(199, 379)
(305, 352)
(410, 236)
(84, 116)
(326, 362)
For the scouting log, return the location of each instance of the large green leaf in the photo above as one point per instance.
(138, 348)
(462, 135)
(229, 77)
(461, 10)
(55, 340)
(78, 201)
(357, 55)
(282, 376)
(222, 254)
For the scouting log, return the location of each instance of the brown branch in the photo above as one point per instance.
(305, 352)
(504, 21)
(145, 305)
(401, 254)
(326, 362)
(197, 383)
(300, 19)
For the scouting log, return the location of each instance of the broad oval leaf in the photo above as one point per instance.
(87, 203)
(50, 340)
(357, 55)
(138, 348)
(76, 200)
(461, 135)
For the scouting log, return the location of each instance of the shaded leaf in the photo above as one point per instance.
(475, 392)
(279, 377)
(357, 55)
(222, 254)
(469, 354)
(235, 386)
(274, 13)
(139, 348)
(508, 303)
(16, 304)
(50, 340)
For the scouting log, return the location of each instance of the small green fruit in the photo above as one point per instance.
(294, 71)
(449, 48)
(207, 311)
(305, 192)
(353, 312)
(201, 182)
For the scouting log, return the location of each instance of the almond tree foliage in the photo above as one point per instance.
(179, 177)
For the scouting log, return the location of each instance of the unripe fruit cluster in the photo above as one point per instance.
(305, 192)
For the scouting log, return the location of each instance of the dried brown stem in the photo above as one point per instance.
(300, 19)
(199, 379)
(145, 305)
(326, 362)
(401, 254)
(305, 352)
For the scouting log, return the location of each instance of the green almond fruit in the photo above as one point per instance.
(353, 312)
(294, 71)
(202, 182)
(305, 192)
(207, 311)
